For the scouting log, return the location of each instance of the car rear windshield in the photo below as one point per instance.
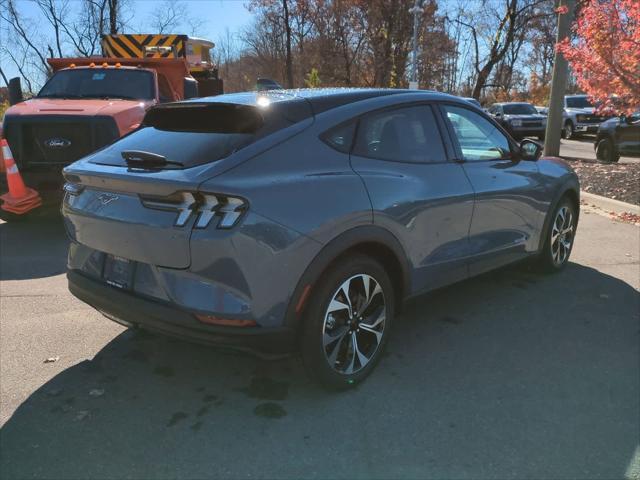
(100, 83)
(519, 109)
(579, 102)
(189, 134)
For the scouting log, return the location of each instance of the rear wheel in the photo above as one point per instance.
(347, 322)
(606, 152)
(560, 235)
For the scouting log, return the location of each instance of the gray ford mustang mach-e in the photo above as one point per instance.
(302, 220)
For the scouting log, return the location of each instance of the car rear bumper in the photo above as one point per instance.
(131, 310)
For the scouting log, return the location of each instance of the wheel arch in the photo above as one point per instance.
(373, 241)
(571, 190)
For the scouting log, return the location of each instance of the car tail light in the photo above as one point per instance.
(205, 206)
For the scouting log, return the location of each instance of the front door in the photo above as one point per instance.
(509, 196)
(628, 132)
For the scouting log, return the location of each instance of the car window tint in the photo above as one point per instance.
(479, 138)
(341, 137)
(404, 134)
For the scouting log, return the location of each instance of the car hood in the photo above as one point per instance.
(588, 110)
(526, 117)
(89, 107)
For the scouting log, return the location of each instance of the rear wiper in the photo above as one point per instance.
(147, 160)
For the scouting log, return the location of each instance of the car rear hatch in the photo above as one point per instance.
(138, 198)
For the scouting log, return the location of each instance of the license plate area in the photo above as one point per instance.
(118, 272)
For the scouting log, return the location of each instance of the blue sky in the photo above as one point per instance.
(218, 15)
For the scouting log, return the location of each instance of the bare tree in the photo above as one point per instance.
(167, 16)
(501, 21)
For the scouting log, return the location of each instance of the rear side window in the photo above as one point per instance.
(341, 137)
(408, 134)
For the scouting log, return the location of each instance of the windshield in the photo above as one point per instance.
(519, 109)
(100, 83)
(579, 102)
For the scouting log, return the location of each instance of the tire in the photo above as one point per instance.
(606, 151)
(558, 246)
(568, 133)
(335, 364)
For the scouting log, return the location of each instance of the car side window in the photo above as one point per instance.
(341, 137)
(479, 139)
(407, 134)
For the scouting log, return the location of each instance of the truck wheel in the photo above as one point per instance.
(347, 322)
(569, 132)
(606, 151)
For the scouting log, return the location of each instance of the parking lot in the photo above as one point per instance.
(509, 375)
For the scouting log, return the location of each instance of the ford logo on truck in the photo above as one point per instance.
(57, 143)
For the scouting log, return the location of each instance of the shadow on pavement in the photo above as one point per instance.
(34, 248)
(512, 375)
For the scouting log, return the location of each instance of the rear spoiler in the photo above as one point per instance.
(205, 117)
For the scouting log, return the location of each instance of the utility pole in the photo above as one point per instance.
(416, 10)
(558, 81)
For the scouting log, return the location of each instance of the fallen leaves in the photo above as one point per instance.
(619, 181)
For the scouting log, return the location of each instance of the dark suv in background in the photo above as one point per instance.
(302, 220)
(520, 119)
(618, 137)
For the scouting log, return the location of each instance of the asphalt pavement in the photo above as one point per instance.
(510, 375)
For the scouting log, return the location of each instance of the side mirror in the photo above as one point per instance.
(530, 150)
(190, 88)
(497, 114)
(15, 91)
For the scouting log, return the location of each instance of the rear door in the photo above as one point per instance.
(417, 192)
(508, 191)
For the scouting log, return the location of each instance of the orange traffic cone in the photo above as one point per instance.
(20, 199)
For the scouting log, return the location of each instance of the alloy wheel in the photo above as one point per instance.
(354, 324)
(562, 235)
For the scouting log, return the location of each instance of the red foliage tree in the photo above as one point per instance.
(605, 57)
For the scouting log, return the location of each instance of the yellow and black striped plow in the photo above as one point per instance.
(144, 46)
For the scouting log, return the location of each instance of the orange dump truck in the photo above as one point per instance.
(89, 102)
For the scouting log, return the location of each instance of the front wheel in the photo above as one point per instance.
(560, 236)
(347, 322)
(569, 132)
(606, 152)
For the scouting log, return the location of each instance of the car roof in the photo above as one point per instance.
(318, 99)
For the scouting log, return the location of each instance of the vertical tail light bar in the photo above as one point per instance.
(205, 206)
